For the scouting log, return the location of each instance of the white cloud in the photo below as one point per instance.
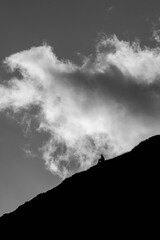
(105, 106)
(136, 63)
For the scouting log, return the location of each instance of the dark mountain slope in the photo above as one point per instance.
(122, 190)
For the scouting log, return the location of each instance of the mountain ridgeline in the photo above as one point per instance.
(124, 186)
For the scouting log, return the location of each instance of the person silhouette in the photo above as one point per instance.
(101, 159)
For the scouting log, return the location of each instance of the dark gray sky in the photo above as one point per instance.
(70, 27)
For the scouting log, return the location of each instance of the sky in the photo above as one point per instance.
(77, 79)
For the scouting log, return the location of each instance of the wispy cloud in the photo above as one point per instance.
(28, 152)
(105, 106)
(110, 9)
(156, 31)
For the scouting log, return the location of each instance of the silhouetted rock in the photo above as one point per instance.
(121, 190)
